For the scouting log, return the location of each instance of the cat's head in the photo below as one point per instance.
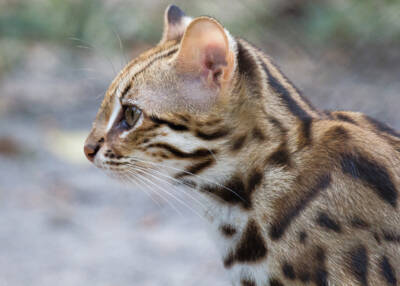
(171, 108)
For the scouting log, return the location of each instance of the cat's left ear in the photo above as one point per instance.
(175, 23)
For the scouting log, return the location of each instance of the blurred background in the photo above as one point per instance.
(62, 222)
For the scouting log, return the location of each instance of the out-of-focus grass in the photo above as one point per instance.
(365, 22)
(348, 25)
(50, 20)
(23, 23)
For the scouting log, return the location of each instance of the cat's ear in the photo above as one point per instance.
(205, 53)
(175, 23)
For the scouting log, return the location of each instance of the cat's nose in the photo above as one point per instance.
(91, 151)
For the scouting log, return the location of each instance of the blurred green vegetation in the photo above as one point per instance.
(346, 25)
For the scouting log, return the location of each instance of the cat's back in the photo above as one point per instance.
(345, 199)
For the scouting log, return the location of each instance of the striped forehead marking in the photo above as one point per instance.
(125, 84)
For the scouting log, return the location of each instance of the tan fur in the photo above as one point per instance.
(317, 190)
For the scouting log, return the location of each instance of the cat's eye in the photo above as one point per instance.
(132, 115)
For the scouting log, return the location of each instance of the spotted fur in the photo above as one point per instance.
(294, 195)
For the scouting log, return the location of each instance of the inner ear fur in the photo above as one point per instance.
(204, 52)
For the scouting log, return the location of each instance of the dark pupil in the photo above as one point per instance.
(132, 115)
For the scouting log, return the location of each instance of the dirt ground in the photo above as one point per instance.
(62, 222)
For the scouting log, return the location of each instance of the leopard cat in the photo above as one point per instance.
(294, 195)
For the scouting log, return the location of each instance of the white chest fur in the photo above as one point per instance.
(227, 226)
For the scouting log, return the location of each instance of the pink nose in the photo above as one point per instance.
(91, 150)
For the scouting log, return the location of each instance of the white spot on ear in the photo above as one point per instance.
(186, 21)
(115, 112)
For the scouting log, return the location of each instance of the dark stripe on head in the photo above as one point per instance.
(160, 56)
(251, 247)
(289, 101)
(336, 133)
(246, 64)
(196, 168)
(248, 67)
(345, 118)
(228, 230)
(126, 89)
(358, 264)
(280, 225)
(305, 100)
(172, 125)
(212, 136)
(387, 271)
(373, 174)
(275, 282)
(382, 127)
(304, 136)
(326, 222)
(198, 153)
(156, 58)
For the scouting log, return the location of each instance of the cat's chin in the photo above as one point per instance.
(113, 169)
(120, 175)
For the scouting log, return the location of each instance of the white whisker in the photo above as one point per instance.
(169, 193)
(91, 47)
(121, 47)
(164, 191)
(191, 196)
(133, 179)
(189, 173)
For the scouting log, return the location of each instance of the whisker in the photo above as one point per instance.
(127, 181)
(167, 178)
(140, 178)
(121, 47)
(144, 189)
(172, 185)
(187, 172)
(172, 195)
(91, 47)
(164, 191)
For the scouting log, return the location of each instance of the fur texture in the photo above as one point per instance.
(293, 195)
